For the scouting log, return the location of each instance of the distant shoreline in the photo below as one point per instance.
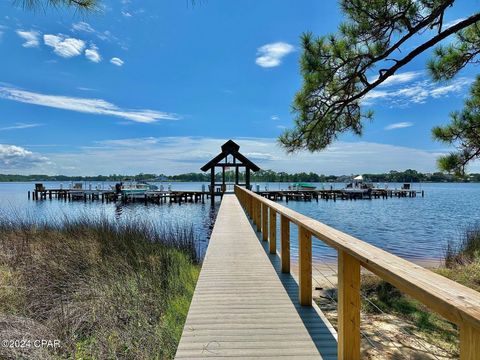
(269, 176)
(253, 181)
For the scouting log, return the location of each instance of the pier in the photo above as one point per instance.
(244, 306)
(199, 196)
(247, 304)
(338, 194)
(106, 196)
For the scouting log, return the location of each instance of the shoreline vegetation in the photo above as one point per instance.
(100, 288)
(396, 325)
(260, 176)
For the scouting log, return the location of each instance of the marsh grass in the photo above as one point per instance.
(105, 289)
(465, 251)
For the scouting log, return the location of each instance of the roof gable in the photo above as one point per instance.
(230, 148)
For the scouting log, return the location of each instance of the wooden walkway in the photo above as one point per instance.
(244, 307)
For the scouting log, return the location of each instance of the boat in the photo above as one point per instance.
(135, 188)
(302, 186)
(358, 186)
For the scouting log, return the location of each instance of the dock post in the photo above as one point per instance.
(469, 342)
(305, 266)
(259, 215)
(212, 186)
(264, 222)
(348, 307)
(285, 243)
(28, 194)
(273, 232)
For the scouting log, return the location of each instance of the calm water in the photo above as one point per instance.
(414, 228)
(14, 203)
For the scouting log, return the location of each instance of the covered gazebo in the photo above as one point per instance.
(230, 157)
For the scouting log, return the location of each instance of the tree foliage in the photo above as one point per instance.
(260, 176)
(78, 4)
(337, 68)
(462, 132)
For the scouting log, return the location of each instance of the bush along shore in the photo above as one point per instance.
(94, 289)
(395, 325)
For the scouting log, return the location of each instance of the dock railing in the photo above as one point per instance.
(455, 302)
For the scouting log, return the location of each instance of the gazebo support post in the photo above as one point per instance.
(212, 186)
(224, 188)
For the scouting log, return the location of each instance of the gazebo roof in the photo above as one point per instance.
(230, 148)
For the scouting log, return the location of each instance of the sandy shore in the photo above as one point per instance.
(384, 336)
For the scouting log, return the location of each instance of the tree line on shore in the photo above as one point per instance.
(260, 176)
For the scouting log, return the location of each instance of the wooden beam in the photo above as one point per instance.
(258, 205)
(264, 222)
(273, 232)
(212, 186)
(305, 266)
(223, 180)
(285, 243)
(469, 343)
(348, 307)
(235, 165)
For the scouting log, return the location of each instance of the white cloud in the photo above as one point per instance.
(400, 78)
(271, 55)
(126, 13)
(30, 37)
(417, 92)
(83, 88)
(275, 117)
(92, 54)
(451, 23)
(19, 126)
(117, 61)
(84, 105)
(399, 125)
(83, 26)
(456, 86)
(173, 155)
(15, 157)
(64, 46)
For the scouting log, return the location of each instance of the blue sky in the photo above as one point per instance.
(158, 86)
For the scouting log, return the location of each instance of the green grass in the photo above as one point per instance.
(106, 290)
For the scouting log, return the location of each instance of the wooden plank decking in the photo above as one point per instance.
(244, 307)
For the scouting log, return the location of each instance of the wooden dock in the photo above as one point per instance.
(244, 306)
(194, 196)
(100, 195)
(338, 194)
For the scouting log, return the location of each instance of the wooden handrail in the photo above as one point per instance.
(455, 302)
